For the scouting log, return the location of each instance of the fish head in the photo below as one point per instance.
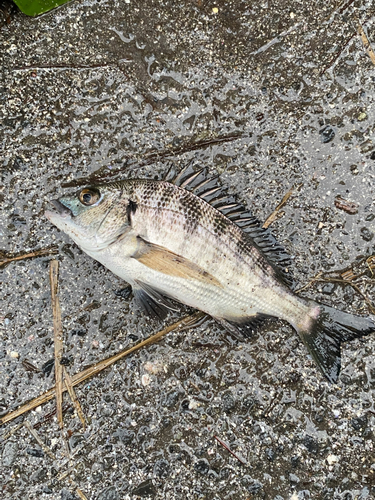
(94, 217)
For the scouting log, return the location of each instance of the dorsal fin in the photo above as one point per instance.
(213, 192)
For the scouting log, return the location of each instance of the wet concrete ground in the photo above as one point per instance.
(270, 95)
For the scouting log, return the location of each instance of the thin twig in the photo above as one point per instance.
(65, 66)
(11, 432)
(37, 253)
(81, 494)
(98, 367)
(239, 458)
(35, 435)
(73, 397)
(366, 43)
(353, 285)
(103, 175)
(51, 414)
(275, 213)
(345, 6)
(315, 278)
(337, 55)
(57, 328)
(276, 39)
(65, 473)
(320, 279)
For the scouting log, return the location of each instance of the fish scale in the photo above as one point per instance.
(168, 243)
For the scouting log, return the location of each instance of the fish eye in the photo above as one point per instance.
(89, 196)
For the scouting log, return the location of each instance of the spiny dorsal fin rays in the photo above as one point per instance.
(206, 194)
(183, 174)
(211, 191)
(171, 174)
(190, 179)
(208, 184)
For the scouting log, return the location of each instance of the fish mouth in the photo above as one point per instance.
(61, 209)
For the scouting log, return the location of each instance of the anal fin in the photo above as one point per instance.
(246, 327)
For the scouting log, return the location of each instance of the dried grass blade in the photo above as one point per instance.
(98, 367)
(81, 494)
(239, 458)
(73, 397)
(35, 435)
(275, 213)
(366, 43)
(37, 253)
(11, 432)
(57, 329)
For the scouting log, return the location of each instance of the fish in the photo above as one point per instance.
(186, 240)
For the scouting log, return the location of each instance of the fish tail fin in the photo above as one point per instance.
(325, 333)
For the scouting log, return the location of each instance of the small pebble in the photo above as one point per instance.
(14, 354)
(193, 404)
(146, 379)
(154, 368)
(332, 459)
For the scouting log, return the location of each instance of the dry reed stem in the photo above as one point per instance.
(35, 435)
(81, 494)
(57, 329)
(224, 445)
(73, 397)
(37, 253)
(11, 432)
(275, 213)
(100, 366)
(366, 43)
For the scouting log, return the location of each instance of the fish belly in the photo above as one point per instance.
(242, 294)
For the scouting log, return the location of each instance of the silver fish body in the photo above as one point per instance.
(169, 243)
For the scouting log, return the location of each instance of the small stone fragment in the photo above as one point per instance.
(332, 459)
(193, 404)
(154, 368)
(109, 494)
(327, 134)
(9, 453)
(366, 234)
(347, 206)
(329, 288)
(146, 379)
(145, 489)
(202, 466)
(35, 452)
(48, 366)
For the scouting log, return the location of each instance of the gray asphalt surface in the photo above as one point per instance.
(270, 95)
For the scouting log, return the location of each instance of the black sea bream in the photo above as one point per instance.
(167, 242)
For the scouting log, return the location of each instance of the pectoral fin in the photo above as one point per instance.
(164, 261)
